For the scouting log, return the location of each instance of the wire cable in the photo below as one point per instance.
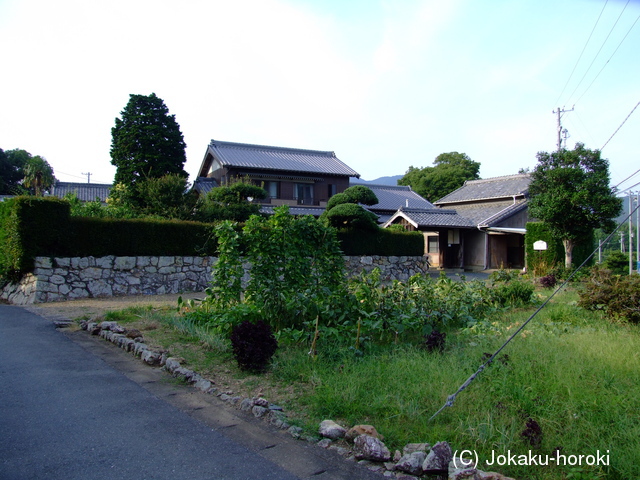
(633, 174)
(607, 62)
(451, 398)
(597, 54)
(617, 129)
(582, 52)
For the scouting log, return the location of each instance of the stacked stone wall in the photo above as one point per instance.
(61, 279)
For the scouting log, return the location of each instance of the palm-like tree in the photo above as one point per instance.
(38, 175)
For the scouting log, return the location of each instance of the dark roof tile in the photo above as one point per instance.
(86, 192)
(490, 188)
(392, 198)
(261, 157)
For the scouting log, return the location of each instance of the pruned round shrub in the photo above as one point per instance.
(548, 281)
(253, 345)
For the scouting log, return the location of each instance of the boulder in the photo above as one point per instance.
(330, 429)
(371, 448)
(411, 463)
(439, 457)
(358, 430)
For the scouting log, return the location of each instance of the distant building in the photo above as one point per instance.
(86, 192)
(291, 176)
(478, 226)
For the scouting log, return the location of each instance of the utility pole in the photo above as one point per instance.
(560, 111)
(88, 174)
(638, 232)
(630, 233)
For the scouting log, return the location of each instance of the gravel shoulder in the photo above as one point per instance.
(90, 308)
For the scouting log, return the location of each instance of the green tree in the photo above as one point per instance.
(345, 210)
(230, 202)
(12, 164)
(449, 173)
(570, 192)
(146, 142)
(166, 196)
(38, 175)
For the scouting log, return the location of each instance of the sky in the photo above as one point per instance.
(385, 84)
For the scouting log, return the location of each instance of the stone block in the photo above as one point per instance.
(166, 261)
(124, 263)
(105, 262)
(100, 288)
(143, 262)
(57, 279)
(43, 262)
(63, 262)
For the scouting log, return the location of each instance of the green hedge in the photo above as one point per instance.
(99, 237)
(30, 227)
(381, 242)
(539, 262)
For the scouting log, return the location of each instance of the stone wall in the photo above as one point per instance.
(61, 279)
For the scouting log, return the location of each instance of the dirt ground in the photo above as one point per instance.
(90, 308)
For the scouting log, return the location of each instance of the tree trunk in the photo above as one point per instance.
(568, 252)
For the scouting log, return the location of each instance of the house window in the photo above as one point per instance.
(333, 189)
(272, 189)
(433, 244)
(304, 193)
(453, 236)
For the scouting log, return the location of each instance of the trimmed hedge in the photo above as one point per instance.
(30, 227)
(381, 242)
(99, 237)
(540, 262)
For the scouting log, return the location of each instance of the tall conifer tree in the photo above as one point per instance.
(146, 142)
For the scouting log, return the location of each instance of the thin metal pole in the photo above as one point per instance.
(630, 234)
(638, 232)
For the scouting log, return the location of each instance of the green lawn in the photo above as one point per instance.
(569, 383)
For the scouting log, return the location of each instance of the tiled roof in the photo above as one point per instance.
(203, 185)
(490, 213)
(490, 188)
(315, 211)
(86, 192)
(261, 157)
(435, 217)
(394, 197)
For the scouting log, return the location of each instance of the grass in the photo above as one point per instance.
(571, 372)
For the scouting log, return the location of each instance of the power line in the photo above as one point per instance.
(601, 47)
(630, 176)
(625, 120)
(581, 53)
(607, 62)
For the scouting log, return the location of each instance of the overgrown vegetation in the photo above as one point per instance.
(617, 295)
(567, 382)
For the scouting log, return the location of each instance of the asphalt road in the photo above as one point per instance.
(75, 407)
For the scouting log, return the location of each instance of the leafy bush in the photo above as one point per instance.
(617, 262)
(617, 295)
(253, 345)
(509, 290)
(503, 275)
(548, 281)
